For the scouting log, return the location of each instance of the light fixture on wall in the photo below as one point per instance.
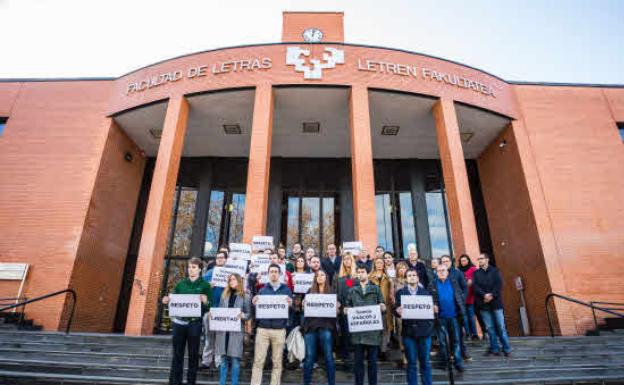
(311, 127)
(390, 130)
(232, 129)
(156, 133)
(466, 136)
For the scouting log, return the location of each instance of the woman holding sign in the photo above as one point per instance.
(343, 282)
(379, 278)
(320, 330)
(301, 267)
(229, 344)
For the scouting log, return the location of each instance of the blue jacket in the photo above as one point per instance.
(274, 323)
(414, 327)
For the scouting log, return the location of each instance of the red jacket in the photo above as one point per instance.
(468, 275)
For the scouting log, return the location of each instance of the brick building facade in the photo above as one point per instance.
(107, 185)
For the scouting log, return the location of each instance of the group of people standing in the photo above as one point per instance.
(459, 294)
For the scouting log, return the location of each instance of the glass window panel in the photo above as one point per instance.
(213, 223)
(384, 221)
(408, 228)
(310, 222)
(185, 217)
(236, 217)
(292, 230)
(438, 230)
(328, 223)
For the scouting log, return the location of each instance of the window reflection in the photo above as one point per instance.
(292, 231)
(328, 222)
(310, 223)
(438, 230)
(237, 211)
(185, 216)
(213, 223)
(408, 228)
(384, 221)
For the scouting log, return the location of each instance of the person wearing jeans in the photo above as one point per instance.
(365, 293)
(449, 296)
(416, 334)
(468, 269)
(229, 345)
(487, 284)
(319, 331)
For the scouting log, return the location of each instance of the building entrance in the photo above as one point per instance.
(310, 220)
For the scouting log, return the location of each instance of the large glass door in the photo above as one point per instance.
(395, 221)
(310, 220)
(225, 220)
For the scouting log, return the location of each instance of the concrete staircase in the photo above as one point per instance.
(14, 321)
(36, 357)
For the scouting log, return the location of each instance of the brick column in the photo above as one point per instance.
(461, 214)
(362, 169)
(257, 193)
(148, 274)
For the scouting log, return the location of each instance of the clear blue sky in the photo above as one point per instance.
(554, 41)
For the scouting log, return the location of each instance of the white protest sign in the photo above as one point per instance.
(272, 306)
(260, 262)
(240, 251)
(417, 307)
(238, 266)
(320, 305)
(262, 242)
(184, 305)
(352, 247)
(365, 318)
(391, 273)
(13, 271)
(303, 282)
(225, 319)
(263, 276)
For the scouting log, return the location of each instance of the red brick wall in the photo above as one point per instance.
(49, 157)
(514, 234)
(101, 255)
(330, 23)
(579, 158)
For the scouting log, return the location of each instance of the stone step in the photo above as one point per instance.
(21, 378)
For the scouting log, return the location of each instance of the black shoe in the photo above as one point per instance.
(204, 367)
(459, 368)
(383, 357)
(507, 354)
(489, 353)
(466, 357)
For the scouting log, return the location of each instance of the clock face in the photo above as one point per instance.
(312, 35)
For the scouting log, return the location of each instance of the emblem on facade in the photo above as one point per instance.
(296, 56)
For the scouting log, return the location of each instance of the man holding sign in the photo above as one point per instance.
(414, 305)
(369, 326)
(272, 329)
(209, 336)
(187, 330)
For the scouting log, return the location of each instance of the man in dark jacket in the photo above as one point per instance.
(451, 304)
(331, 262)
(487, 285)
(416, 334)
(271, 331)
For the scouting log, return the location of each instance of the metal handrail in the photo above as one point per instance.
(578, 302)
(71, 314)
